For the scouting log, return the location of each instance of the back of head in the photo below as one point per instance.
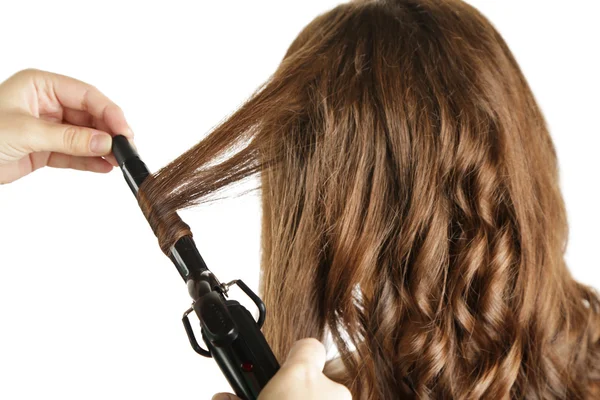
(411, 207)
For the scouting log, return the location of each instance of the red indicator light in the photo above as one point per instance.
(247, 366)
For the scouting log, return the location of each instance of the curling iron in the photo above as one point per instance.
(232, 336)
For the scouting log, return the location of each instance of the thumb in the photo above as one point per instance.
(68, 139)
(224, 396)
(308, 353)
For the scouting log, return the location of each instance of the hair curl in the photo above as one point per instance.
(411, 207)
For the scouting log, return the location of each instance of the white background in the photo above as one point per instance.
(89, 306)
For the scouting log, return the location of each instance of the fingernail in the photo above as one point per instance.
(223, 396)
(100, 143)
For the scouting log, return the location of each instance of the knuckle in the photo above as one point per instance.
(310, 342)
(21, 75)
(118, 110)
(310, 346)
(85, 99)
(28, 72)
(71, 139)
(92, 92)
(302, 373)
(89, 97)
(112, 111)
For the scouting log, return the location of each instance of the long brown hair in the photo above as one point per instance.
(411, 208)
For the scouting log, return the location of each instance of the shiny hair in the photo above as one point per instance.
(411, 208)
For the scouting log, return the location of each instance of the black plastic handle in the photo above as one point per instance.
(247, 362)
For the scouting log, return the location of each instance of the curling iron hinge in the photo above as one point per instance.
(231, 331)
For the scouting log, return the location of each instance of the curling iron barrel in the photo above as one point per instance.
(183, 253)
(232, 336)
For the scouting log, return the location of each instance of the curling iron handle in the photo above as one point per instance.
(247, 362)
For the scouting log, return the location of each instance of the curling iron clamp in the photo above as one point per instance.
(232, 336)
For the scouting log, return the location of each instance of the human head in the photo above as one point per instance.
(411, 207)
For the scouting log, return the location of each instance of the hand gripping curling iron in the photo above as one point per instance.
(232, 336)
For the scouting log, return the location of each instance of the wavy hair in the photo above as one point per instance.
(411, 208)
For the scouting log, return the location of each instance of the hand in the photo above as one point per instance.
(53, 120)
(300, 377)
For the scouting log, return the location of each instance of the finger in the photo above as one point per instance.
(68, 139)
(111, 160)
(340, 392)
(93, 164)
(307, 352)
(79, 118)
(102, 126)
(110, 157)
(72, 93)
(82, 118)
(225, 396)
